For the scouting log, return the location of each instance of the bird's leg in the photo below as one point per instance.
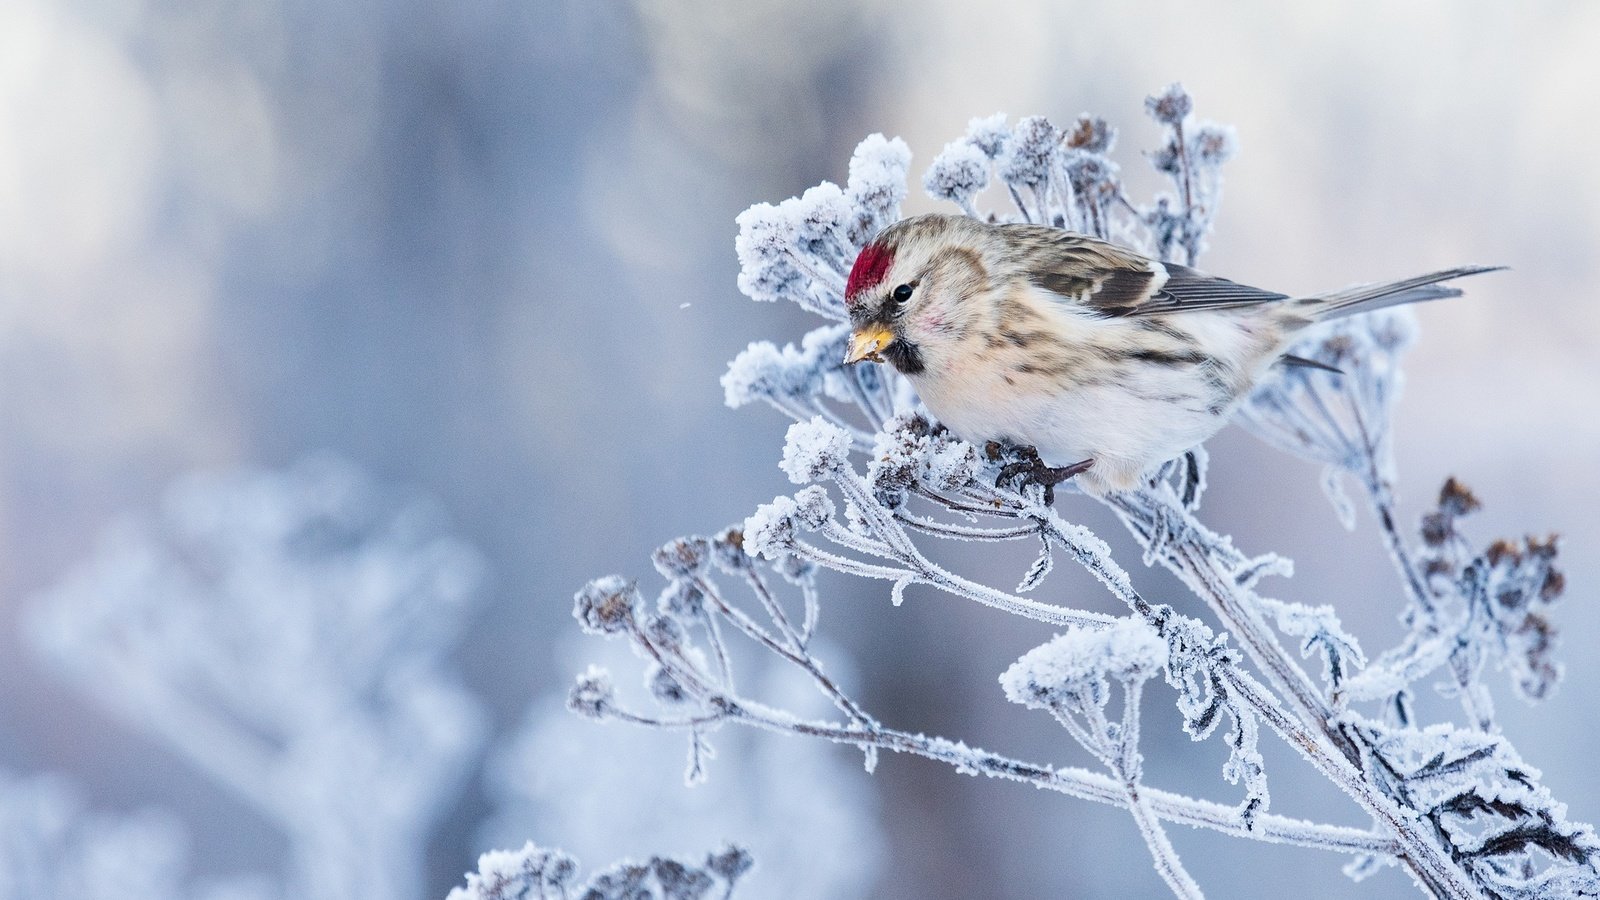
(1193, 478)
(1028, 469)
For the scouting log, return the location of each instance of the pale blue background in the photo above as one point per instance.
(452, 242)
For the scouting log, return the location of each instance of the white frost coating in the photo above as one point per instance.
(989, 134)
(1170, 106)
(766, 234)
(923, 488)
(950, 465)
(792, 375)
(958, 174)
(1333, 489)
(877, 185)
(905, 452)
(769, 531)
(288, 632)
(1214, 144)
(813, 507)
(806, 812)
(1031, 153)
(822, 214)
(750, 376)
(1320, 631)
(511, 874)
(814, 450)
(56, 848)
(1130, 649)
(592, 693)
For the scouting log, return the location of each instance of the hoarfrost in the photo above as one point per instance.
(814, 449)
(287, 633)
(1454, 805)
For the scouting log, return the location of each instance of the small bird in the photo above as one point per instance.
(1106, 361)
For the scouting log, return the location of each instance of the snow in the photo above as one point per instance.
(288, 633)
(922, 487)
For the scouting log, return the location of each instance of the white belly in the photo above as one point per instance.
(1128, 417)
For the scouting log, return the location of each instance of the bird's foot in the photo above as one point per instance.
(1028, 469)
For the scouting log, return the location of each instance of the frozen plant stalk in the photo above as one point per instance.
(882, 484)
(534, 873)
(287, 632)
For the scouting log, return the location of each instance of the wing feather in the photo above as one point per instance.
(1118, 282)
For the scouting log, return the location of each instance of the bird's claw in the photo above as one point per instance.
(1028, 469)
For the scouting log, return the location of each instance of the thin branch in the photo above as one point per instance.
(1162, 852)
(1077, 782)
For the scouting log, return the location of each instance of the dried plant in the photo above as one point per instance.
(882, 484)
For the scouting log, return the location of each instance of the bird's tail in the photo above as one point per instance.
(1368, 297)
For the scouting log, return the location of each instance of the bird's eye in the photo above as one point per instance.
(901, 294)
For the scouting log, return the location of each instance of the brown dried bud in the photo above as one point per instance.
(682, 557)
(1456, 500)
(1554, 585)
(1433, 567)
(1545, 549)
(1435, 529)
(605, 605)
(1502, 551)
(1091, 134)
(727, 551)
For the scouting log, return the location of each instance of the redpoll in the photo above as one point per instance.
(1110, 363)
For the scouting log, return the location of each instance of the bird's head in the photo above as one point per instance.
(913, 290)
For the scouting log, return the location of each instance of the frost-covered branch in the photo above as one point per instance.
(54, 848)
(287, 632)
(534, 873)
(919, 487)
(694, 697)
(1069, 677)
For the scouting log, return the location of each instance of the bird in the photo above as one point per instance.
(1106, 361)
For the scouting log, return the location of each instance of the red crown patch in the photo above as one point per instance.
(868, 272)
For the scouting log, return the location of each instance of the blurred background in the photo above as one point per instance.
(482, 253)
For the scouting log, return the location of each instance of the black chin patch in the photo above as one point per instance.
(905, 356)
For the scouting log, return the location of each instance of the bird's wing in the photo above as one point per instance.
(1115, 281)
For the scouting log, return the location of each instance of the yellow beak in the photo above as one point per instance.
(867, 342)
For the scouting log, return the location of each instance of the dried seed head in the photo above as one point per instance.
(605, 605)
(730, 863)
(727, 551)
(1436, 529)
(593, 693)
(682, 557)
(1503, 552)
(1091, 134)
(1456, 500)
(1170, 106)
